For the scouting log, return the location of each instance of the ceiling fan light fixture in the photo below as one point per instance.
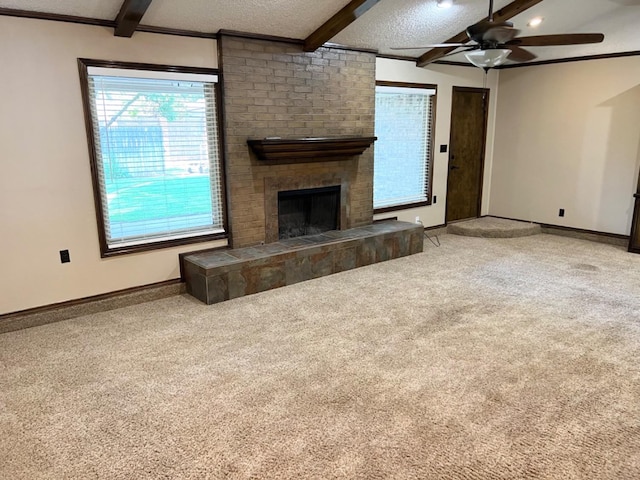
(488, 58)
(444, 3)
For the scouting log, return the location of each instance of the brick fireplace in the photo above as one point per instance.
(295, 121)
(274, 89)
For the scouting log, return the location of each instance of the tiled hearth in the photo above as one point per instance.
(220, 275)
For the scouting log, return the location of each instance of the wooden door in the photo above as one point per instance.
(634, 236)
(466, 152)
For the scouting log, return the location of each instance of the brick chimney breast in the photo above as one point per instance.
(274, 89)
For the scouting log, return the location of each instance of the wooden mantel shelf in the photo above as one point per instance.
(309, 149)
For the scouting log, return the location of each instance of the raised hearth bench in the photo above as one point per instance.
(219, 275)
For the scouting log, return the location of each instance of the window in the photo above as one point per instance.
(156, 155)
(403, 151)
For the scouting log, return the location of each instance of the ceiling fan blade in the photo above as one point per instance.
(520, 54)
(500, 34)
(552, 40)
(433, 45)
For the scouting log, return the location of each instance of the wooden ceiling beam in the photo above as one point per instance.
(129, 17)
(341, 20)
(514, 8)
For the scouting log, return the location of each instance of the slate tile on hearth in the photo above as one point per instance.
(217, 289)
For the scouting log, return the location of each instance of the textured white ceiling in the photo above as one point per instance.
(400, 23)
(619, 20)
(102, 9)
(389, 24)
(284, 18)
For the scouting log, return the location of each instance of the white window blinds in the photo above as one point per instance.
(157, 155)
(402, 162)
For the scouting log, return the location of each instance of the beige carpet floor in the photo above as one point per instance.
(482, 359)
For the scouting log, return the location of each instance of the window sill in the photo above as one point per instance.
(403, 206)
(147, 247)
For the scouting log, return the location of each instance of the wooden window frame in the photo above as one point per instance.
(105, 249)
(430, 155)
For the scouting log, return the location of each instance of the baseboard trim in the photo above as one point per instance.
(591, 235)
(435, 227)
(436, 230)
(580, 233)
(57, 312)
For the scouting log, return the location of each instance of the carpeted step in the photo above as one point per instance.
(492, 227)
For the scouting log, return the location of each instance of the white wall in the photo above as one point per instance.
(568, 136)
(46, 196)
(445, 77)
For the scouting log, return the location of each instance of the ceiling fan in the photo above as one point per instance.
(495, 41)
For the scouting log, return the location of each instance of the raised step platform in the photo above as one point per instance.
(220, 275)
(493, 227)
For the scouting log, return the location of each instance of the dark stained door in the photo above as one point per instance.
(634, 236)
(466, 152)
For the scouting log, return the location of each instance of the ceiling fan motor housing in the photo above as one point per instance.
(490, 34)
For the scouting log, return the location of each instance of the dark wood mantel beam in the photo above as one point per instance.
(337, 23)
(514, 8)
(129, 17)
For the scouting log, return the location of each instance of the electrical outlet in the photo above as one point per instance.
(64, 256)
(443, 148)
(417, 219)
(561, 212)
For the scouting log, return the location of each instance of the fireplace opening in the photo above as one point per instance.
(308, 212)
